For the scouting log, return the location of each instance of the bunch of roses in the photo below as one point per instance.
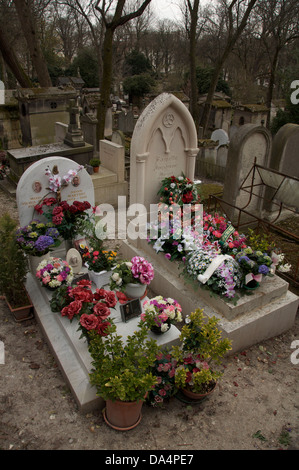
(161, 312)
(37, 238)
(66, 217)
(91, 309)
(164, 370)
(215, 228)
(179, 190)
(225, 279)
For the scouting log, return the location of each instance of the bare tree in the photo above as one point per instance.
(237, 13)
(280, 27)
(111, 24)
(26, 16)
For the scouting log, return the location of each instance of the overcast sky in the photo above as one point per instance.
(166, 9)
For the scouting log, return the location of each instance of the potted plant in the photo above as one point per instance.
(100, 264)
(13, 271)
(199, 357)
(121, 373)
(254, 265)
(54, 272)
(37, 239)
(132, 277)
(160, 313)
(95, 163)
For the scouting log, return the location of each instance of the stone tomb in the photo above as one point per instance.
(272, 309)
(33, 186)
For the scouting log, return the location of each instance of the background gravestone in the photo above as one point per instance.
(164, 143)
(284, 159)
(33, 184)
(221, 136)
(250, 142)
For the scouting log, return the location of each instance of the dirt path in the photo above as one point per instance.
(255, 406)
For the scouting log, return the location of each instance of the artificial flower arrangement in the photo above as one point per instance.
(200, 354)
(254, 265)
(223, 280)
(99, 260)
(219, 233)
(66, 217)
(178, 244)
(160, 313)
(90, 309)
(178, 190)
(54, 272)
(37, 238)
(164, 370)
(136, 271)
(56, 182)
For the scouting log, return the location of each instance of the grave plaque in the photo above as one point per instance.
(130, 310)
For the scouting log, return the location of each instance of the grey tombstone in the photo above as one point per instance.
(249, 143)
(164, 143)
(33, 186)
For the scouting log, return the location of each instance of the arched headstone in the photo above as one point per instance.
(33, 186)
(164, 143)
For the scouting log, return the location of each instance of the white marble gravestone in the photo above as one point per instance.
(33, 186)
(221, 136)
(164, 143)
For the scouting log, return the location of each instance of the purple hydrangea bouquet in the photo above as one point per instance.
(37, 238)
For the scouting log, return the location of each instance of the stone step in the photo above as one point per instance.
(103, 178)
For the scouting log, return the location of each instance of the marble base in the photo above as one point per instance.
(71, 352)
(270, 311)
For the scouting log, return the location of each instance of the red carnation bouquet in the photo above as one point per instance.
(91, 309)
(67, 218)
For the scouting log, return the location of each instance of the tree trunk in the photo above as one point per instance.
(232, 39)
(12, 61)
(271, 85)
(192, 58)
(26, 17)
(106, 83)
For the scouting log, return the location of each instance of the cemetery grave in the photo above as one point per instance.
(164, 142)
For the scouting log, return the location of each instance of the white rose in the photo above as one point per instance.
(164, 327)
(115, 277)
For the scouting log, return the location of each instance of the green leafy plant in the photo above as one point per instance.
(94, 162)
(13, 266)
(201, 352)
(121, 369)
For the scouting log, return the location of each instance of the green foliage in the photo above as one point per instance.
(201, 336)
(289, 115)
(204, 77)
(138, 85)
(14, 265)
(136, 63)
(260, 242)
(121, 370)
(86, 62)
(95, 162)
(60, 298)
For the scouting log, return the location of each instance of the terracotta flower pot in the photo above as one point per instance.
(96, 169)
(198, 396)
(24, 312)
(123, 415)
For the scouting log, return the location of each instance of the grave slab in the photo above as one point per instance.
(265, 314)
(71, 352)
